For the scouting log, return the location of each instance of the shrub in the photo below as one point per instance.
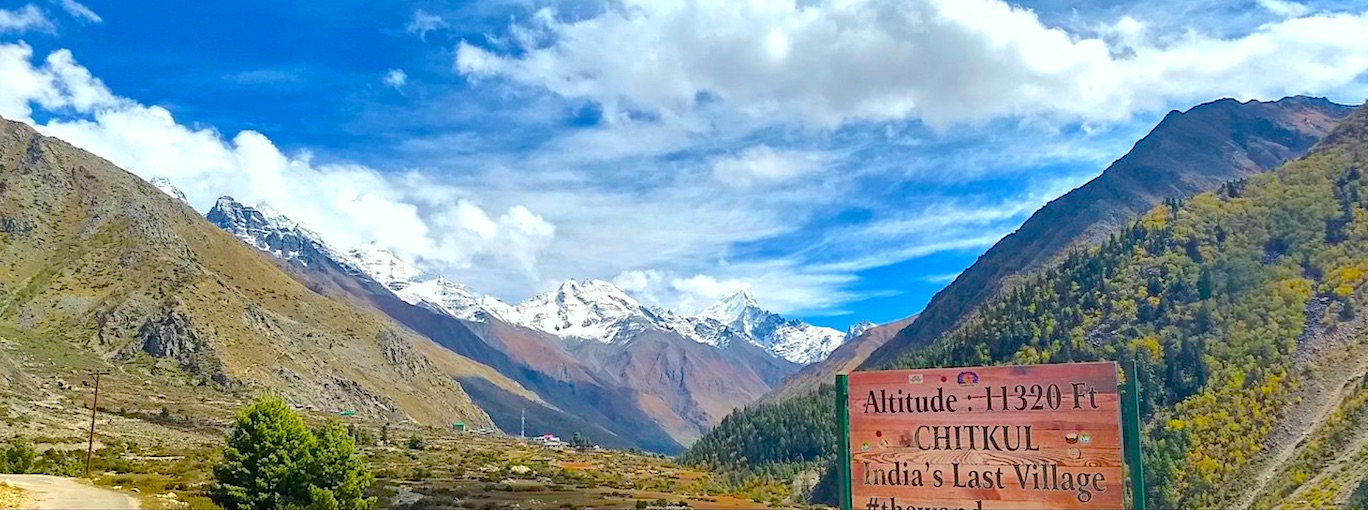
(18, 456)
(271, 460)
(415, 442)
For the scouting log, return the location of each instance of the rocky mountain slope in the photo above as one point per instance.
(1187, 153)
(100, 269)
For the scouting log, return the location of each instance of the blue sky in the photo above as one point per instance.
(843, 160)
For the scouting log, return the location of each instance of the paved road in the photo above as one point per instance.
(52, 492)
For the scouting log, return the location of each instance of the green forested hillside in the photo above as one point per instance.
(776, 439)
(1220, 299)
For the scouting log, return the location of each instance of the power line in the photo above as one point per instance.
(94, 407)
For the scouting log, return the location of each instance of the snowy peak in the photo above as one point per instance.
(588, 310)
(384, 266)
(417, 287)
(792, 340)
(165, 185)
(267, 230)
(859, 329)
(272, 232)
(592, 310)
(731, 308)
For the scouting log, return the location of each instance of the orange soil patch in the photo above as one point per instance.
(577, 465)
(687, 476)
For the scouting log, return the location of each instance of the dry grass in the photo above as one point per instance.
(12, 497)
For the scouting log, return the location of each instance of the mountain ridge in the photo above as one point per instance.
(1249, 137)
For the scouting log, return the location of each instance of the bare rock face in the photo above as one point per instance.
(400, 353)
(172, 336)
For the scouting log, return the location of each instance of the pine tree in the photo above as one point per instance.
(272, 461)
(338, 477)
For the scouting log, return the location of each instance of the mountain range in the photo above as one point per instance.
(641, 376)
(588, 310)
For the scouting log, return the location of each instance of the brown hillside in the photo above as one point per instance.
(100, 269)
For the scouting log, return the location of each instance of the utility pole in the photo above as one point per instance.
(94, 407)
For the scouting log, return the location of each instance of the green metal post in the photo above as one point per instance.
(843, 412)
(1130, 411)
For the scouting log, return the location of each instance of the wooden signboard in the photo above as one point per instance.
(1002, 437)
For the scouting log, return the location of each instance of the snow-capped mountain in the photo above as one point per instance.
(588, 347)
(591, 310)
(165, 185)
(269, 231)
(586, 310)
(859, 328)
(792, 340)
(272, 232)
(422, 288)
(598, 310)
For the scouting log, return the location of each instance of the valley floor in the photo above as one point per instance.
(163, 457)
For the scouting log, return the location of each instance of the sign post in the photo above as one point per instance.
(1001, 437)
(1132, 436)
(843, 410)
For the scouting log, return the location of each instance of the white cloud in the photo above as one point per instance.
(695, 182)
(23, 19)
(424, 22)
(79, 11)
(396, 78)
(348, 204)
(762, 165)
(58, 84)
(778, 286)
(828, 62)
(940, 279)
(1284, 8)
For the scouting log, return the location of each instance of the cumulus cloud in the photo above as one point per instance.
(941, 61)
(396, 78)
(348, 204)
(79, 11)
(23, 19)
(58, 84)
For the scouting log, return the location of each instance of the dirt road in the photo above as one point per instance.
(66, 493)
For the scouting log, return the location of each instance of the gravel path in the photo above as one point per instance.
(52, 492)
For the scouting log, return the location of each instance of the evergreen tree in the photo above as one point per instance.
(271, 461)
(337, 475)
